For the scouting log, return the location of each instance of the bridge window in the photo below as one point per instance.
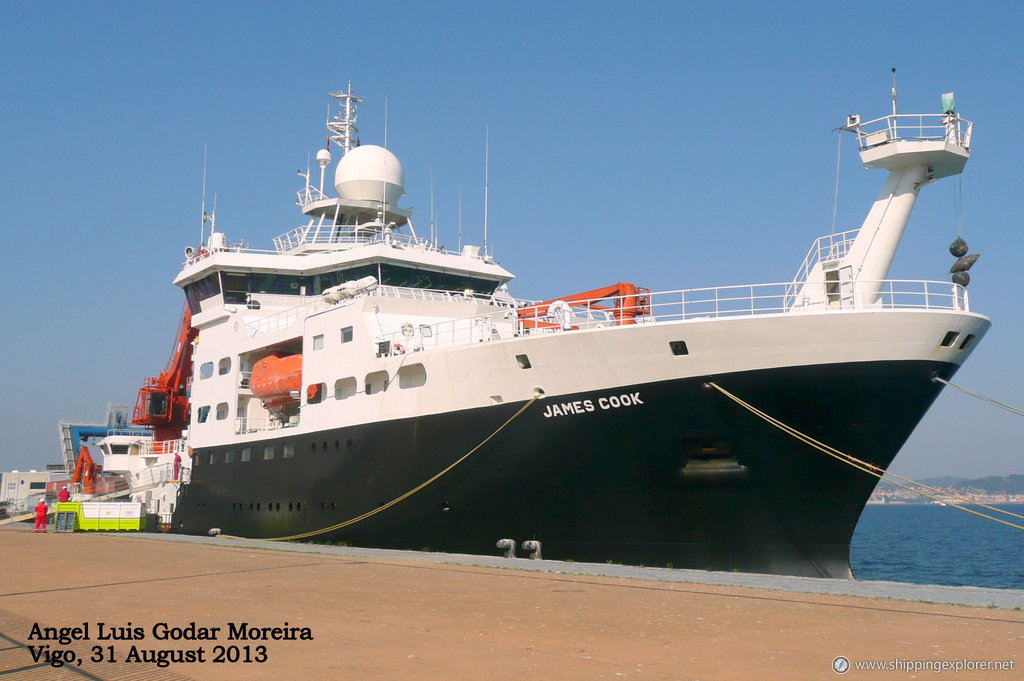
(198, 291)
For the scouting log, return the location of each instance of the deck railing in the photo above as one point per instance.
(914, 127)
(686, 305)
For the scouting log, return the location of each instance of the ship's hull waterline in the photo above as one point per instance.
(675, 475)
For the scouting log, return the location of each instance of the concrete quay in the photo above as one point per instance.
(218, 608)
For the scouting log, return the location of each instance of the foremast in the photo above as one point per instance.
(916, 149)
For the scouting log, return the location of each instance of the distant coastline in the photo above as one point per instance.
(1007, 489)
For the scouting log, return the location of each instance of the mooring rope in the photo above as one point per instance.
(872, 469)
(962, 389)
(414, 490)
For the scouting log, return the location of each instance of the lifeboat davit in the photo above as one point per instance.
(277, 380)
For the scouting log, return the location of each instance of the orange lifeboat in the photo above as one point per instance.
(277, 380)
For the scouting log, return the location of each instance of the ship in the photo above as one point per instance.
(358, 383)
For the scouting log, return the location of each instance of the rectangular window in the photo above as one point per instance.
(246, 453)
(346, 334)
(236, 287)
(223, 366)
(318, 342)
(288, 451)
(268, 452)
(203, 414)
(206, 370)
(315, 393)
(222, 411)
(229, 456)
(37, 485)
(678, 348)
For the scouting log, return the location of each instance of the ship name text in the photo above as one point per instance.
(583, 406)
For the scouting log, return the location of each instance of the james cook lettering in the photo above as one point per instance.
(583, 406)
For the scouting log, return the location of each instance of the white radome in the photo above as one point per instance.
(369, 172)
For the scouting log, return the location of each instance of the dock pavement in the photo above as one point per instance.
(156, 607)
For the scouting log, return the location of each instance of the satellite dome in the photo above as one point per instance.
(369, 172)
(323, 157)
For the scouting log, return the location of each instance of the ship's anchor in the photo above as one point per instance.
(964, 262)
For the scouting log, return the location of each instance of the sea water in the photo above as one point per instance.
(935, 544)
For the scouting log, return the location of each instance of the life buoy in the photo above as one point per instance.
(397, 349)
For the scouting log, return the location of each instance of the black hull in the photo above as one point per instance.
(685, 478)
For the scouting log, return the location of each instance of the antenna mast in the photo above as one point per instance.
(487, 162)
(342, 127)
(202, 222)
(894, 91)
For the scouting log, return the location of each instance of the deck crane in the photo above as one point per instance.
(163, 400)
(85, 472)
(625, 301)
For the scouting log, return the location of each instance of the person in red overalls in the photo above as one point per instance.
(41, 510)
(64, 495)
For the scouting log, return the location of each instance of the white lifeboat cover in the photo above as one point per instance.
(368, 173)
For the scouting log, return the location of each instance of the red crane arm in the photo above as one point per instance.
(626, 302)
(163, 400)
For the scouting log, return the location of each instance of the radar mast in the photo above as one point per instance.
(343, 126)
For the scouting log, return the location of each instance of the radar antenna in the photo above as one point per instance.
(343, 126)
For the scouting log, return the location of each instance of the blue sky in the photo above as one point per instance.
(676, 145)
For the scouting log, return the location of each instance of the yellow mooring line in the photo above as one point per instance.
(871, 469)
(414, 490)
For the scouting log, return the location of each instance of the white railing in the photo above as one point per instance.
(152, 476)
(247, 424)
(341, 236)
(828, 248)
(915, 127)
(330, 237)
(284, 318)
(688, 305)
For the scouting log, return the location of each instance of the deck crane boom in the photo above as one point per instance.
(627, 301)
(163, 400)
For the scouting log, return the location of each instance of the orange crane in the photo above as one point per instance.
(85, 472)
(626, 302)
(163, 400)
